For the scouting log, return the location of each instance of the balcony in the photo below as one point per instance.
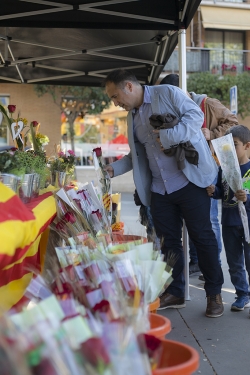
(216, 61)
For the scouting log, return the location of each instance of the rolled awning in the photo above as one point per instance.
(216, 17)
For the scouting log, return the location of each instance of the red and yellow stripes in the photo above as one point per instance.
(106, 198)
(21, 228)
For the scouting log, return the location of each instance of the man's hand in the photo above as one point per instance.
(206, 133)
(110, 170)
(241, 195)
(210, 190)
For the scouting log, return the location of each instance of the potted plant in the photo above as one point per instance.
(29, 166)
(6, 164)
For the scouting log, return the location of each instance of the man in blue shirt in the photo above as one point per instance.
(172, 193)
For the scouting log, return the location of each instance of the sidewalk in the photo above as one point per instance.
(223, 343)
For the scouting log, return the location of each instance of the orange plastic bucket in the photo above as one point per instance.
(153, 306)
(177, 359)
(159, 326)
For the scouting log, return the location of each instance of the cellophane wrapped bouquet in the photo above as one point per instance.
(225, 151)
(82, 225)
(104, 183)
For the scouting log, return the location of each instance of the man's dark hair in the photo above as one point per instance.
(241, 132)
(170, 79)
(119, 76)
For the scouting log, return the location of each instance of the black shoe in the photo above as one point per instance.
(168, 301)
(193, 268)
(201, 277)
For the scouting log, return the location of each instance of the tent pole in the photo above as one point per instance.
(183, 86)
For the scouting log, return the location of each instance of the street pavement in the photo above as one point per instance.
(223, 343)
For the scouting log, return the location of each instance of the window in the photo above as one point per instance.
(226, 49)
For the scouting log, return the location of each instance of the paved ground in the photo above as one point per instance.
(223, 343)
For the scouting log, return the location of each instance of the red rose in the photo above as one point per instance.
(98, 151)
(102, 306)
(92, 273)
(152, 342)
(152, 346)
(34, 124)
(95, 352)
(60, 226)
(11, 108)
(98, 214)
(70, 217)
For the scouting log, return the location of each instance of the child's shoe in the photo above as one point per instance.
(240, 303)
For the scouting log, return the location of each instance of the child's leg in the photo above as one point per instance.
(247, 255)
(233, 243)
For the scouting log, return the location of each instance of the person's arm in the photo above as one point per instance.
(120, 167)
(190, 117)
(221, 118)
(218, 192)
(242, 196)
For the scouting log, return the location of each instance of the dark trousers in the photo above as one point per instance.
(193, 205)
(238, 257)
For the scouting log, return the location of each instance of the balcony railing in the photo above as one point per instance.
(216, 61)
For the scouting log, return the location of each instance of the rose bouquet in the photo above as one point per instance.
(225, 151)
(88, 213)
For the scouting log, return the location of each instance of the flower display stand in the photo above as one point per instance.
(177, 359)
(159, 326)
(153, 306)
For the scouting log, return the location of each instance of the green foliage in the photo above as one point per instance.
(93, 99)
(6, 162)
(21, 162)
(218, 87)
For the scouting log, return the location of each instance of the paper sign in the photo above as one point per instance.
(51, 305)
(77, 331)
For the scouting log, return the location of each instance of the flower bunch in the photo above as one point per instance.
(226, 67)
(42, 139)
(17, 126)
(63, 162)
(38, 140)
